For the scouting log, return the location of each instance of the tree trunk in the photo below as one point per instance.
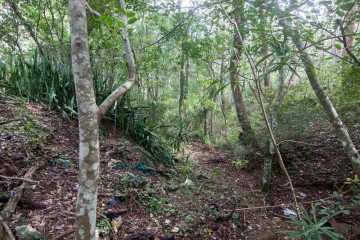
(265, 46)
(89, 115)
(240, 107)
(324, 100)
(247, 135)
(274, 127)
(88, 123)
(183, 87)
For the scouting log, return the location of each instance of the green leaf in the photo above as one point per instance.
(132, 20)
(346, 6)
(325, 3)
(130, 14)
(120, 23)
(122, 11)
(263, 59)
(338, 46)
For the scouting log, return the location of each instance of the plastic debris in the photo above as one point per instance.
(175, 230)
(59, 161)
(145, 169)
(187, 182)
(135, 180)
(116, 223)
(166, 222)
(119, 166)
(290, 213)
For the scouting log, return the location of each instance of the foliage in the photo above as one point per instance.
(312, 227)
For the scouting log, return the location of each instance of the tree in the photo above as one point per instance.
(242, 114)
(89, 114)
(323, 98)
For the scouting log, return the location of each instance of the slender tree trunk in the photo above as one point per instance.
(324, 100)
(183, 88)
(88, 123)
(240, 107)
(265, 46)
(222, 97)
(274, 127)
(247, 135)
(89, 115)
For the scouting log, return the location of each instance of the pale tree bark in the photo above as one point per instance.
(324, 99)
(89, 115)
(184, 75)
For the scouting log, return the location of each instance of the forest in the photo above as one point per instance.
(179, 119)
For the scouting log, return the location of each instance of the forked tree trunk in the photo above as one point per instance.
(324, 99)
(88, 123)
(89, 115)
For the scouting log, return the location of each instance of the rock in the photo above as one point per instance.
(25, 232)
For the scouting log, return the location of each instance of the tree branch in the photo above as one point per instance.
(92, 11)
(338, 21)
(106, 104)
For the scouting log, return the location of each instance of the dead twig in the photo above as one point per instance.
(201, 187)
(296, 142)
(9, 121)
(64, 234)
(112, 195)
(7, 229)
(13, 201)
(20, 179)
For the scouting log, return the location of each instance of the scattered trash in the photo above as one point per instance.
(120, 166)
(175, 230)
(25, 232)
(136, 180)
(145, 169)
(116, 223)
(174, 187)
(187, 182)
(59, 161)
(290, 213)
(9, 137)
(166, 222)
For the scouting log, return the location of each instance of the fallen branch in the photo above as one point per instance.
(20, 179)
(9, 121)
(112, 195)
(7, 229)
(64, 234)
(13, 201)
